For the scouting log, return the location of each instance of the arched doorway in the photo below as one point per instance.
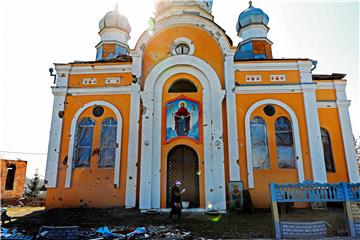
(183, 165)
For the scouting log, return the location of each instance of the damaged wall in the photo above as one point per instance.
(13, 177)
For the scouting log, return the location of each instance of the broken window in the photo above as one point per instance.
(10, 177)
(182, 85)
(284, 143)
(329, 160)
(83, 142)
(259, 143)
(108, 143)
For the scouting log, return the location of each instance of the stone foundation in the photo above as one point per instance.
(303, 229)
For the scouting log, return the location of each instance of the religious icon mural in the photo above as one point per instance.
(182, 119)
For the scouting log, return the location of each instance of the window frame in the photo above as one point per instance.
(266, 143)
(290, 133)
(330, 153)
(113, 126)
(76, 143)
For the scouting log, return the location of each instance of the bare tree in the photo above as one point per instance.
(357, 148)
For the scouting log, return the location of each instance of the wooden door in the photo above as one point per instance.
(183, 165)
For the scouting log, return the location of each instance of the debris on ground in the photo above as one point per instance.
(111, 233)
(13, 234)
(123, 232)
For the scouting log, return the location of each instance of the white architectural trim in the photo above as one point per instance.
(73, 135)
(99, 91)
(268, 89)
(326, 104)
(101, 69)
(151, 130)
(305, 71)
(347, 134)
(314, 134)
(265, 66)
(62, 75)
(325, 85)
(133, 146)
(131, 175)
(209, 26)
(55, 139)
(233, 141)
(254, 31)
(296, 136)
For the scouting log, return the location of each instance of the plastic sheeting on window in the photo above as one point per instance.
(284, 143)
(259, 143)
(329, 160)
(83, 142)
(108, 143)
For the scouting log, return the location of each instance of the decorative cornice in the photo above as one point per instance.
(101, 69)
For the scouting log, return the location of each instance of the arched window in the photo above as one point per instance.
(108, 143)
(259, 143)
(83, 142)
(284, 143)
(329, 160)
(182, 85)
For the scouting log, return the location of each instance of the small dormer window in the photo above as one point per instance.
(182, 49)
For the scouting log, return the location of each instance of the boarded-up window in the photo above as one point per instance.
(83, 142)
(259, 143)
(10, 177)
(108, 143)
(329, 160)
(284, 143)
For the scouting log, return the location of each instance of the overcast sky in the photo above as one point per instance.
(37, 33)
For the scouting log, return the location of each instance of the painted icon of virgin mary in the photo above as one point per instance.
(182, 120)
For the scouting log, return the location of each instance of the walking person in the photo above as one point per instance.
(176, 205)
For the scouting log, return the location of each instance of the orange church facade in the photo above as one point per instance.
(187, 105)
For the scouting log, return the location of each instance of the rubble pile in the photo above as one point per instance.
(12, 234)
(111, 233)
(124, 232)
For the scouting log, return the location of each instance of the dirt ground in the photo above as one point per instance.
(225, 226)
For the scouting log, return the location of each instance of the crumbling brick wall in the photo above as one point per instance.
(19, 179)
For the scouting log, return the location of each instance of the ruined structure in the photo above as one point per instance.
(13, 177)
(185, 104)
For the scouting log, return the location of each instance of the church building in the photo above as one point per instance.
(186, 104)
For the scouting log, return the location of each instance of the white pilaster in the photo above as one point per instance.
(217, 175)
(347, 134)
(131, 174)
(55, 139)
(233, 143)
(146, 150)
(59, 91)
(314, 133)
(132, 164)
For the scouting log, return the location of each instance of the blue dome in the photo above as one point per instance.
(251, 15)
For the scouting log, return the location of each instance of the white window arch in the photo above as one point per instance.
(296, 132)
(72, 140)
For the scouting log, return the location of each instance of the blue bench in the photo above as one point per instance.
(315, 193)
